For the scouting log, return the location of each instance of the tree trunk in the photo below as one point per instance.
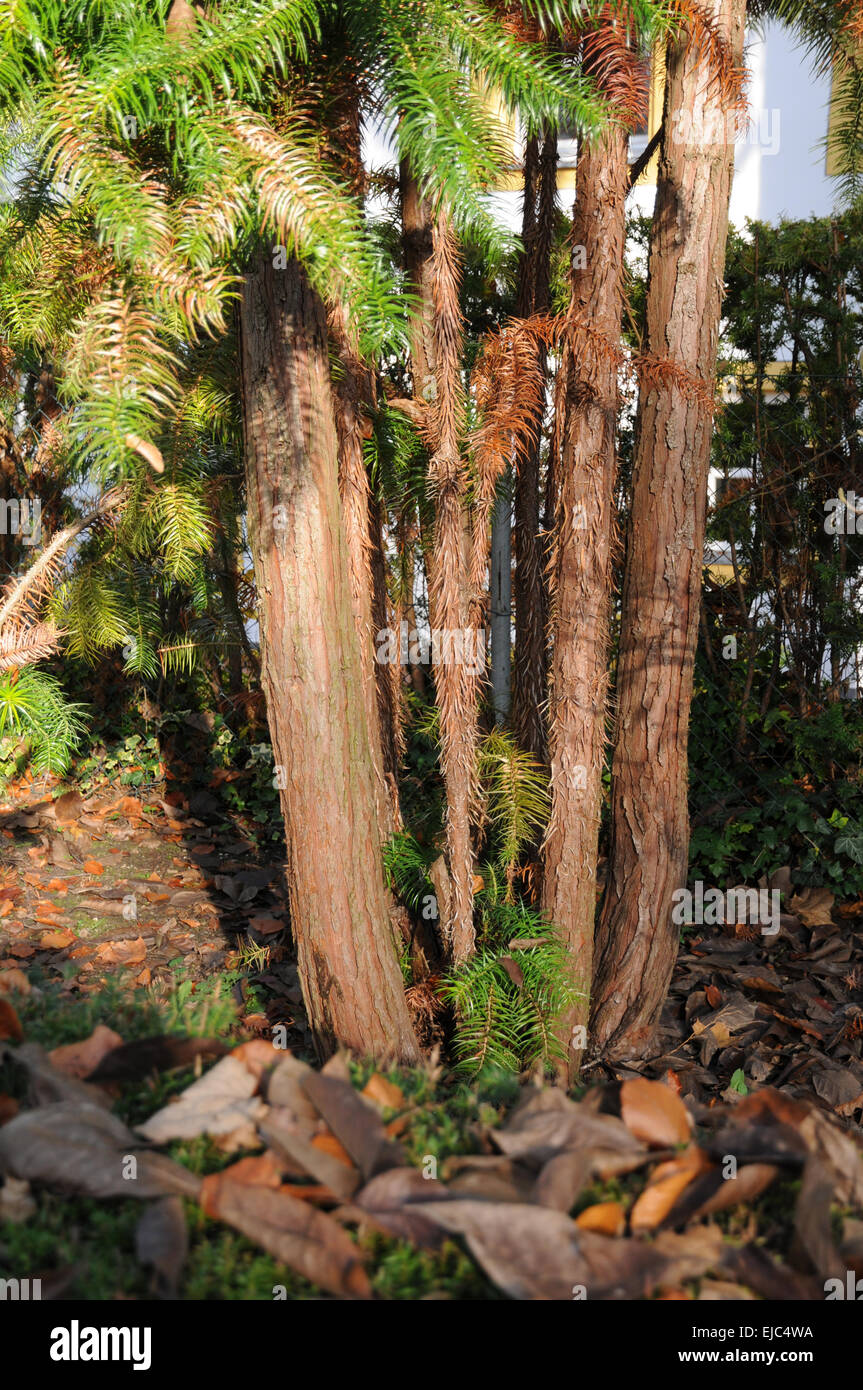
(581, 568)
(500, 587)
(530, 667)
(312, 674)
(637, 941)
(452, 603)
(433, 272)
(353, 395)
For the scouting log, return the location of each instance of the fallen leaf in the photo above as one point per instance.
(384, 1093)
(81, 1058)
(654, 1113)
(14, 981)
(329, 1144)
(73, 1146)
(68, 806)
(221, 1102)
(123, 952)
(607, 1218)
(665, 1186)
(533, 1253)
(307, 1240)
(56, 940)
(162, 1242)
(813, 1221)
(267, 926)
(291, 1138)
(751, 1180)
(92, 866)
(10, 1023)
(354, 1124)
(813, 906)
(47, 1085)
(260, 1170)
(144, 1056)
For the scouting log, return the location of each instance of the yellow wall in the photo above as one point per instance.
(513, 180)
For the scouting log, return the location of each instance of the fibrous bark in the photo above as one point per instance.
(637, 940)
(312, 673)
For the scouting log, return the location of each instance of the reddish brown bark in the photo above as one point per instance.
(312, 674)
(530, 664)
(353, 392)
(433, 271)
(581, 567)
(637, 941)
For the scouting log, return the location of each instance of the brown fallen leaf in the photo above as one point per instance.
(384, 1093)
(533, 1253)
(665, 1186)
(14, 981)
(74, 1146)
(548, 1121)
(56, 940)
(162, 1242)
(81, 1058)
(354, 1123)
(140, 1058)
(751, 1181)
(260, 1170)
(221, 1102)
(813, 1221)
(68, 806)
(267, 926)
(814, 906)
(329, 1144)
(45, 1084)
(307, 1240)
(257, 1056)
(92, 866)
(607, 1218)
(292, 1138)
(10, 1023)
(654, 1113)
(123, 952)
(388, 1203)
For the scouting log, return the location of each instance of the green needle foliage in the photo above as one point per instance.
(506, 1000)
(34, 710)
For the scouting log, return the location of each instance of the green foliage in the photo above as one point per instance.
(515, 794)
(33, 709)
(506, 1002)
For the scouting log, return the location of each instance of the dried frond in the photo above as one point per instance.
(656, 373)
(22, 646)
(24, 595)
(613, 57)
(446, 279)
(702, 36)
(508, 386)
